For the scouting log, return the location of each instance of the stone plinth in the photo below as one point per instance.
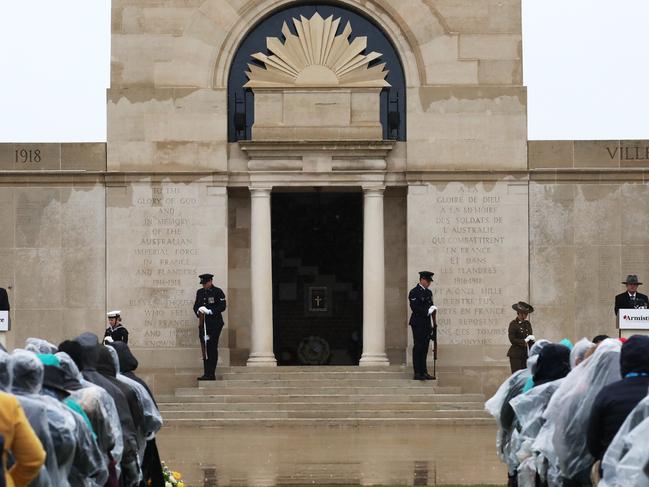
(317, 114)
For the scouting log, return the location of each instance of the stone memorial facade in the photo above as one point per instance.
(393, 140)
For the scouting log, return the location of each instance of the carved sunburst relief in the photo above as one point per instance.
(316, 57)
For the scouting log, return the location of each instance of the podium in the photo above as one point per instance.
(4, 320)
(633, 322)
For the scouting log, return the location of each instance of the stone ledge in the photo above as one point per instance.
(588, 154)
(348, 148)
(30, 157)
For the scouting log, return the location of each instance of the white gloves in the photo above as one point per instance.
(432, 309)
(108, 340)
(530, 338)
(204, 310)
(206, 337)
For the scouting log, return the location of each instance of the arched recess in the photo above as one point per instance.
(241, 100)
(401, 32)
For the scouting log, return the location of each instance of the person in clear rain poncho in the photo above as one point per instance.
(36, 414)
(151, 420)
(88, 467)
(547, 463)
(125, 364)
(27, 372)
(552, 365)
(101, 411)
(569, 412)
(626, 459)
(499, 407)
(130, 468)
(616, 400)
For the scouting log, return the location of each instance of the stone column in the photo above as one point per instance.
(261, 280)
(373, 279)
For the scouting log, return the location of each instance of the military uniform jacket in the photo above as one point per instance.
(420, 300)
(214, 300)
(518, 331)
(623, 301)
(118, 334)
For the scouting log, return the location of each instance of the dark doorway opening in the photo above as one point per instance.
(317, 277)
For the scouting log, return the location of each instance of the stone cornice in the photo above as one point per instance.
(335, 177)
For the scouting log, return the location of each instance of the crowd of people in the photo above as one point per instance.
(577, 416)
(76, 414)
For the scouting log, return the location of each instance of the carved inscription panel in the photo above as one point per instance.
(474, 236)
(160, 237)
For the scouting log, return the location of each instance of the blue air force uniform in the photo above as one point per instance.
(420, 300)
(212, 298)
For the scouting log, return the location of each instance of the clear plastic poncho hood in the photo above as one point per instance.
(570, 406)
(579, 351)
(27, 372)
(38, 345)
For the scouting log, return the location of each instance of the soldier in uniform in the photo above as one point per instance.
(421, 304)
(115, 331)
(520, 336)
(631, 298)
(210, 302)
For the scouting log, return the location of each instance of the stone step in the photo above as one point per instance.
(324, 414)
(316, 382)
(310, 390)
(324, 405)
(311, 369)
(315, 398)
(336, 422)
(403, 375)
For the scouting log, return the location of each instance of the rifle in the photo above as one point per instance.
(433, 338)
(201, 322)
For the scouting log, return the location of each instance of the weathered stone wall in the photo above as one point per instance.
(239, 274)
(589, 229)
(161, 234)
(396, 254)
(473, 235)
(52, 239)
(170, 60)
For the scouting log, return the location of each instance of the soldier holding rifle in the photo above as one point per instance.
(423, 310)
(210, 303)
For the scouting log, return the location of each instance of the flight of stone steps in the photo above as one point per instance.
(328, 395)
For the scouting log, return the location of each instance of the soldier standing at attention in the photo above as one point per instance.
(520, 336)
(115, 331)
(421, 304)
(210, 303)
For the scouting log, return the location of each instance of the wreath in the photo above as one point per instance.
(314, 350)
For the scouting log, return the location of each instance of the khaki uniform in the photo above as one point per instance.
(518, 331)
